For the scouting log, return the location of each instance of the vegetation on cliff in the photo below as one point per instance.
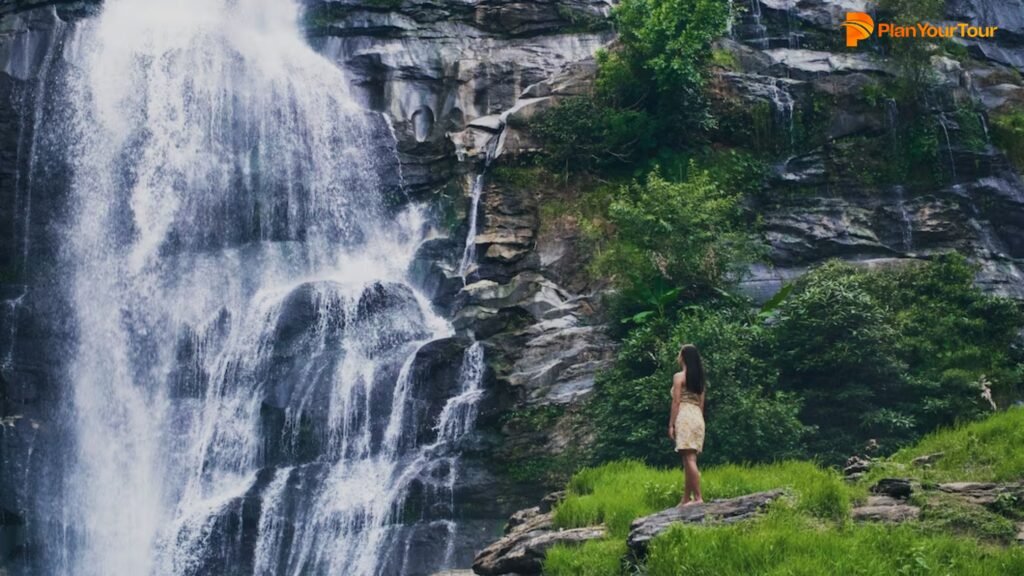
(840, 356)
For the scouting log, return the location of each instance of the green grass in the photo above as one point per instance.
(990, 450)
(808, 533)
(783, 542)
(615, 494)
(944, 514)
(595, 558)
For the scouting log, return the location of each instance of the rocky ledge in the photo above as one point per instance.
(528, 536)
(530, 533)
(646, 528)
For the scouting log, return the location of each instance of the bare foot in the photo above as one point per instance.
(684, 503)
(697, 501)
(690, 503)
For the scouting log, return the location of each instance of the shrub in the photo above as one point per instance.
(894, 354)
(747, 419)
(1008, 133)
(687, 235)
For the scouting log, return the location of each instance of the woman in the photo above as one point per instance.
(686, 425)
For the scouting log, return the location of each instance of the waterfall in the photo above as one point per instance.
(242, 379)
(469, 251)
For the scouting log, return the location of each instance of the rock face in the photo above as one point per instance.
(818, 203)
(646, 528)
(441, 68)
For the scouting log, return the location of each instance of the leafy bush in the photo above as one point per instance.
(834, 347)
(894, 354)
(666, 235)
(1008, 133)
(747, 420)
(583, 134)
(649, 91)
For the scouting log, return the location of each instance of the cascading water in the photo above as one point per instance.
(244, 398)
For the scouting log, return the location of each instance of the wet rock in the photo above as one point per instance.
(809, 64)
(646, 528)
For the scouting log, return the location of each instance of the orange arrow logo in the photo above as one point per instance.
(859, 26)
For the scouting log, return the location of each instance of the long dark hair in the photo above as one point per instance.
(695, 379)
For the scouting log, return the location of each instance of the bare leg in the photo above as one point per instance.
(692, 476)
(687, 480)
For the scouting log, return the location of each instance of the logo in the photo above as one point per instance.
(859, 26)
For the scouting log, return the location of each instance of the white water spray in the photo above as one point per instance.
(245, 328)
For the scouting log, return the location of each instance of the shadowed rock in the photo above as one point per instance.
(893, 487)
(646, 528)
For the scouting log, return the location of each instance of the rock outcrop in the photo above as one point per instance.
(528, 536)
(821, 201)
(646, 528)
(885, 509)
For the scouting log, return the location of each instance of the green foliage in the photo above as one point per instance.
(912, 60)
(972, 132)
(785, 542)
(748, 420)
(1008, 134)
(671, 40)
(648, 93)
(834, 348)
(583, 134)
(724, 59)
(893, 354)
(669, 235)
(617, 493)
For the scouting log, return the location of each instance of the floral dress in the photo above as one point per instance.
(689, 422)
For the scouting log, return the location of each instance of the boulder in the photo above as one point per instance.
(898, 488)
(891, 511)
(522, 550)
(646, 528)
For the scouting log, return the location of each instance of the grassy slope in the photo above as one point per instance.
(809, 532)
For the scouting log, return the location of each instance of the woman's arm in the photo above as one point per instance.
(677, 385)
(702, 395)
